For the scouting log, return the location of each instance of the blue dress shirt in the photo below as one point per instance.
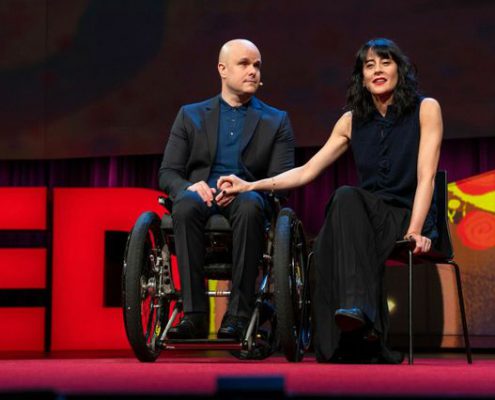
(230, 127)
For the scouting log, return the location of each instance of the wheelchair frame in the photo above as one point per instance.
(148, 289)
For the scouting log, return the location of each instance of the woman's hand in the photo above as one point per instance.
(422, 243)
(222, 199)
(232, 184)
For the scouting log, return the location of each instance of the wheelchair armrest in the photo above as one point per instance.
(166, 202)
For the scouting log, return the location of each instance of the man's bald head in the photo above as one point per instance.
(239, 66)
(235, 45)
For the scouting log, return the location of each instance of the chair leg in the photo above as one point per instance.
(410, 295)
(463, 311)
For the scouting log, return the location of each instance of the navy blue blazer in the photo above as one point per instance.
(267, 146)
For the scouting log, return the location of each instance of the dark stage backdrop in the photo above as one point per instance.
(92, 78)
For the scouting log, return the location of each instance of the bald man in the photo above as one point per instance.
(231, 133)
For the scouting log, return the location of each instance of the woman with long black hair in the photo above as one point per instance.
(395, 135)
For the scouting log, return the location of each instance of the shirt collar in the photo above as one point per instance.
(390, 116)
(224, 106)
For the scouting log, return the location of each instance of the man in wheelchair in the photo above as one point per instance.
(232, 133)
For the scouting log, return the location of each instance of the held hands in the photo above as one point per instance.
(422, 243)
(231, 185)
(223, 199)
(227, 190)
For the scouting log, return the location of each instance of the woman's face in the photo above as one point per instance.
(380, 75)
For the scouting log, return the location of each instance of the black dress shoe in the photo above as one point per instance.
(349, 319)
(191, 326)
(371, 335)
(232, 327)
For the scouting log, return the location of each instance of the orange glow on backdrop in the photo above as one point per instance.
(477, 230)
(472, 209)
(471, 212)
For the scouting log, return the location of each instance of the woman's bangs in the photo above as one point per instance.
(382, 51)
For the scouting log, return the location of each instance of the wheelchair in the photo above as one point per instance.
(152, 304)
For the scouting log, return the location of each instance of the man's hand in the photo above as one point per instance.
(423, 244)
(204, 191)
(223, 199)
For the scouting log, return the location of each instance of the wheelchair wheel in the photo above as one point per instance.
(145, 309)
(291, 286)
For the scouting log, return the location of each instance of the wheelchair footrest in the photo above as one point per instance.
(200, 344)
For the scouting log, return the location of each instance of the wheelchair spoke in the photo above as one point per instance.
(148, 319)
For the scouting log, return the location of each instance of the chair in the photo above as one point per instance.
(441, 254)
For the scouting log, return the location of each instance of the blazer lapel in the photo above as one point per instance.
(252, 118)
(211, 123)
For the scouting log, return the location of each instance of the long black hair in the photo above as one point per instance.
(406, 94)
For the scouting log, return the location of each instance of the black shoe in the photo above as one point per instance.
(232, 327)
(371, 335)
(191, 326)
(349, 319)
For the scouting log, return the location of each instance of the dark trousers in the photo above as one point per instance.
(358, 234)
(246, 215)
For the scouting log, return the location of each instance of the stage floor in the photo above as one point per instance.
(175, 373)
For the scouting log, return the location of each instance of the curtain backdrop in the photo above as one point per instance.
(460, 157)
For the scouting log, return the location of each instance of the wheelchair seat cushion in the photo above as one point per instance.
(216, 223)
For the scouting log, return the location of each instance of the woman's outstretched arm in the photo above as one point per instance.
(336, 145)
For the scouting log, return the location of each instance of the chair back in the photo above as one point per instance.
(444, 242)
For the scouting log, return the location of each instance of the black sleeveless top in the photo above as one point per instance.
(386, 154)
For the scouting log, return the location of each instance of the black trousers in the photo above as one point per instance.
(246, 215)
(357, 236)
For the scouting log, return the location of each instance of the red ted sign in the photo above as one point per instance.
(75, 309)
